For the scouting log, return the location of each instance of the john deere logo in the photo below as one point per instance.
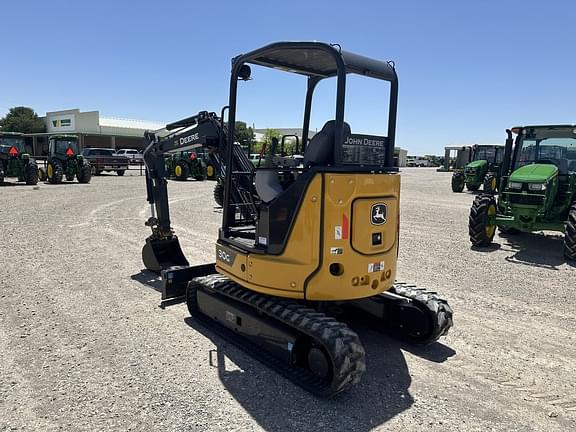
(61, 123)
(378, 214)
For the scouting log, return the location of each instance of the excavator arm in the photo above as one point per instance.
(203, 130)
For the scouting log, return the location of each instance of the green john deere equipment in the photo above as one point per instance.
(484, 169)
(183, 165)
(65, 160)
(14, 161)
(538, 187)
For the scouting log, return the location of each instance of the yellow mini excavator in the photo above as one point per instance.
(302, 246)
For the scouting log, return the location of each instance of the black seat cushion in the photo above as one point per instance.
(320, 149)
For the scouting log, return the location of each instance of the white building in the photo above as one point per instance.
(92, 130)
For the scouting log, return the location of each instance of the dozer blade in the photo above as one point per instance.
(161, 254)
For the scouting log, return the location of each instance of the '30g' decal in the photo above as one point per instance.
(225, 255)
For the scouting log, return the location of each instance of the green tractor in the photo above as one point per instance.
(186, 164)
(538, 188)
(483, 170)
(65, 160)
(14, 161)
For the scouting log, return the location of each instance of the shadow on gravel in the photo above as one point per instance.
(17, 184)
(437, 353)
(278, 405)
(149, 279)
(493, 247)
(536, 249)
(63, 183)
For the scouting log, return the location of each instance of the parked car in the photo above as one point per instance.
(105, 159)
(134, 156)
(415, 161)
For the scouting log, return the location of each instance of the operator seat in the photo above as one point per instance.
(320, 151)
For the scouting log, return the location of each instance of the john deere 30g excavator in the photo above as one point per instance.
(296, 252)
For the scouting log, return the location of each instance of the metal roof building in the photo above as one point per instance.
(92, 130)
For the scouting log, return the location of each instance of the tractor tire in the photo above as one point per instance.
(490, 184)
(69, 177)
(481, 232)
(55, 171)
(219, 194)
(84, 174)
(181, 171)
(472, 187)
(570, 235)
(31, 173)
(42, 174)
(457, 182)
(120, 172)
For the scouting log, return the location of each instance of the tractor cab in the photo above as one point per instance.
(61, 146)
(491, 154)
(542, 169)
(12, 144)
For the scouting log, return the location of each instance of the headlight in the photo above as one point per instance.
(536, 186)
(515, 185)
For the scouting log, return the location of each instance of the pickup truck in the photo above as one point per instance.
(105, 159)
(134, 156)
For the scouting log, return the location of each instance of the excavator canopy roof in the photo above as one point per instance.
(316, 59)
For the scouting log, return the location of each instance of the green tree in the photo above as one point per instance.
(244, 134)
(267, 141)
(22, 119)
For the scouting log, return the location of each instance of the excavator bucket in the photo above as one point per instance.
(158, 255)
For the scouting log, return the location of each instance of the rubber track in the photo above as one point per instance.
(570, 235)
(341, 343)
(438, 308)
(477, 220)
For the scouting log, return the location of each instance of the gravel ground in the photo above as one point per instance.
(84, 345)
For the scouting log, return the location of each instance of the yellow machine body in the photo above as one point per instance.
(343, 244)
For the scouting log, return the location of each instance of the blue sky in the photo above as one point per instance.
(467, 70)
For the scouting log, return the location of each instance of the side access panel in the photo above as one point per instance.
(360, 236)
